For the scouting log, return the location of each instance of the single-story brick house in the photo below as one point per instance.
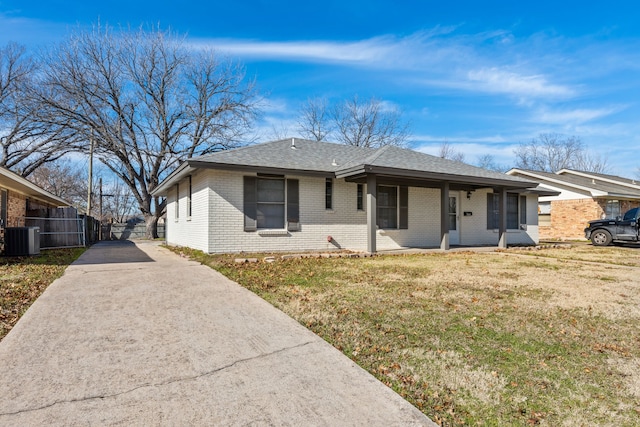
(582, 196)
(18, 196)
(296, 195)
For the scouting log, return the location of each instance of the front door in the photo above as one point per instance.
(454, 220)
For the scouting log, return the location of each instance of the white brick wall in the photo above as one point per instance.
(185, 231)
(217, 223)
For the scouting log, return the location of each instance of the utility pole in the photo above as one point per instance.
(101, 213)
(90, 176)
(100, 229)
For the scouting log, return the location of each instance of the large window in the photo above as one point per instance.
(516, 211)
(270, 202)
(393, 207)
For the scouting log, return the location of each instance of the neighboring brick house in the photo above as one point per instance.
(18, 196)
(295, 195)
(583, 196)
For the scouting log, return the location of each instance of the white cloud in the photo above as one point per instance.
(496, 80)
(574, 116)
(365, 51)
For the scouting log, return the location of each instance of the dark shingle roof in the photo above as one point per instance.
(304, 156)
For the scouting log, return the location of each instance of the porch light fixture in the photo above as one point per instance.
(469, 195)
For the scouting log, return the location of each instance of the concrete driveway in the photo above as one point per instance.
(133, 334)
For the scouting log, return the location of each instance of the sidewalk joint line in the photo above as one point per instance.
(160, 384)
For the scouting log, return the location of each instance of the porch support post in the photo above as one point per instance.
(444, 216)
(372, 212)
(502, 219)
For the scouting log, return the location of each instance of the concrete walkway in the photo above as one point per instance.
(133, 334)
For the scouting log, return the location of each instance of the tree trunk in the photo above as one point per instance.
(151, 221)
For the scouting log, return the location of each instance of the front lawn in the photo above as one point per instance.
(526, 338)
(23, 279)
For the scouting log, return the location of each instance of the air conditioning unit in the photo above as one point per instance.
(22, 241)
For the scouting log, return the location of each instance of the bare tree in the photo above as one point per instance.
(148, 101)
(120, 204)
(552, 152)
(27, 141)
(448, 152)
(315, 122)
(368, 124)
(278, 131)
(64, 179)
(487, 161)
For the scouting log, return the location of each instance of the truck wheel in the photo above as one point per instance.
(601, 238)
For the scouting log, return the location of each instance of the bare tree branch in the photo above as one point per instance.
(27, 139)
(551, 152)
(448, 152)
(367, 124)
(314, 122)
(147, 101)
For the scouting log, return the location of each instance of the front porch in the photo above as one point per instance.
(449, 219)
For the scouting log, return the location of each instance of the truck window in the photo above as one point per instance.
(631, 214)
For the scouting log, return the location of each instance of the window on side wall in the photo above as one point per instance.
(360, 197)
(271, 202)
(189, 194)
(177, 211)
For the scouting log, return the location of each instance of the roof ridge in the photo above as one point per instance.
(377, 153)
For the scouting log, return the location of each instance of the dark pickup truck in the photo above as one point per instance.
(625, 229)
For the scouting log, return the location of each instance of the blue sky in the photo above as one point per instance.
(483, 76)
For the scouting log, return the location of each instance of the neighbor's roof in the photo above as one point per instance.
(306, 157)
(594, 184)
(12, 181)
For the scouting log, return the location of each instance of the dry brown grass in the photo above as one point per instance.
(23, 279)
(544, 337)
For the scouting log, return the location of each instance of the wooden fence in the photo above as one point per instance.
(127, 231)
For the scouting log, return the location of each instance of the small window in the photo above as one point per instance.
(523, 209)
(189, 199)
(360, 197)
(328, 194)
(177, 211)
